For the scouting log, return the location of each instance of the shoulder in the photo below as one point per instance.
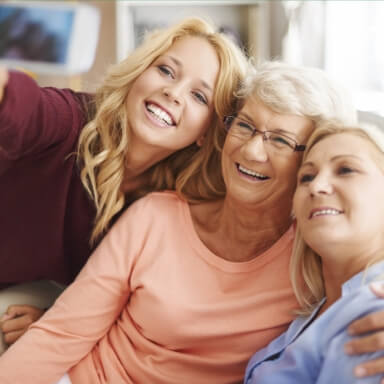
(362, 301)
(336, 320)
(156, 205)
(150, 217)
(160, 200)
(335, 334)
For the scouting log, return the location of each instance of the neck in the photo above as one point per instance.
(339, 264)
(139, 159)
(238, 232)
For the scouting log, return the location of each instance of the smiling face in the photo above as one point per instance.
(255, 172)
(339, 196)
(170, 105)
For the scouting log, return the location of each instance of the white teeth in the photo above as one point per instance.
(160, 114)
(326, 212)
(251, 173)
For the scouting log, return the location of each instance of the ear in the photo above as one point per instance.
(200, 141)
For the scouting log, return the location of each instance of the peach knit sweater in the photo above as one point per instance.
(154, 306)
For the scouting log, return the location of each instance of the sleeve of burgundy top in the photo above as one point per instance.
(33, 119)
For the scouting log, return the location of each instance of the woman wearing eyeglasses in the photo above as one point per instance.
(185, 287)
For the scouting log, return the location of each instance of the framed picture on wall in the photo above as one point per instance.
(245, 22)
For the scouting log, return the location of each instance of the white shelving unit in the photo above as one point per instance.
(247, 20)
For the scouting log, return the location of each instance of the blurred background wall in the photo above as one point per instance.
(343, 37)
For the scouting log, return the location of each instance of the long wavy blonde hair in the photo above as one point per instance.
(305, 267)
(104, 141)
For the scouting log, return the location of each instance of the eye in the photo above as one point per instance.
(344, 170)
(279, 139)
(166, 71)
(306, 178)
(200, 97)
(244, 125)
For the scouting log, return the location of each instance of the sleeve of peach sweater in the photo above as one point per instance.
(83, 314)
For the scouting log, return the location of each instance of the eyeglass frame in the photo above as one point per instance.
(228, 120)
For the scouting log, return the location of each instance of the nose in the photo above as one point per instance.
(174, 93)
(320, 185)
(254, 149)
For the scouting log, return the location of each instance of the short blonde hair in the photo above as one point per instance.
(104, 141)
(305, 266)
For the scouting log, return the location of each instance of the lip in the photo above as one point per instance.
(324, 208)
(250, 177)
(175, 123)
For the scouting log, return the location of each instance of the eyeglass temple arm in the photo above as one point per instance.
(300, 148)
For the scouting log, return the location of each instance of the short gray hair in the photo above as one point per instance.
(298, 90)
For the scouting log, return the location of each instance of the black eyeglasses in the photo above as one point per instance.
(244, 130)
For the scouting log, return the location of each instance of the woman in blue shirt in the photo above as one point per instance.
(339, 250)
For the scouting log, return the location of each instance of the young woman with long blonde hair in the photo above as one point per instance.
(70, 163)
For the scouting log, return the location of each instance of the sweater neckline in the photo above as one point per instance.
(232, 266)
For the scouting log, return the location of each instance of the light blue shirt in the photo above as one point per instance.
(316, 354)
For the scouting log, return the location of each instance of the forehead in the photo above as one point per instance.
(343, 144)
(183, 44)
(194, 54)
(265, 118)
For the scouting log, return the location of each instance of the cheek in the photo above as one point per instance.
(137, 87)
(133, 95)
(226, 161)
(230, 147)
(144, 83)
(368, 206)
(139, 91)
(298, 203)
(198, 118)
(289, 171)
(295, 204)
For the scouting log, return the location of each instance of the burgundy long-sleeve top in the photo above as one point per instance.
(45, 214)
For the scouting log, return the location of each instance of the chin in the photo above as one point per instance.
(321, 242)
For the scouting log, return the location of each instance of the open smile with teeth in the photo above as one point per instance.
(159, 114)
(326, 212)
(251, 173)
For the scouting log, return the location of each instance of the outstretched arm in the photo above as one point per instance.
(17, 320)
(33, 119)
(3, 84)
(3, 81)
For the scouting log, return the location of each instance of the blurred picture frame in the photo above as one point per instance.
(244, 21)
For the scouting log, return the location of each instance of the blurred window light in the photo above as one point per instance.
(353, 49)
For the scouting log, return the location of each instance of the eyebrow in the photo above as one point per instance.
(178, 63)
(246, 116)
(334, 158)
(279, 130)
